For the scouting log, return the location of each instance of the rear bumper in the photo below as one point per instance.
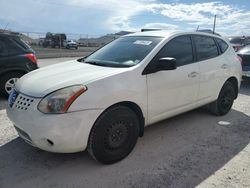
(246, 74)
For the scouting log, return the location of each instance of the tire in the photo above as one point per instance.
(8, 79)
(113, 135)
(225, 100)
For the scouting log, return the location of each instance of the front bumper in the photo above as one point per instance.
(62, 133)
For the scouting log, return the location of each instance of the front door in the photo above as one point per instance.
(173, 91)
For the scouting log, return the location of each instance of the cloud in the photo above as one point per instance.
(230, 19)
(161, 26)
(88, 16)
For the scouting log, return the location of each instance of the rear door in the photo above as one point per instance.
(214, 67)
(173, 91)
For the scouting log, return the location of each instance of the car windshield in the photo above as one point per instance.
(123, 52)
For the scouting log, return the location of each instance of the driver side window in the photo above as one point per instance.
(179, 48)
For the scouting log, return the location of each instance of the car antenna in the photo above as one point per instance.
(214, 23)
(5, 27)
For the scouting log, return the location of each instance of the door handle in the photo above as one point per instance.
(193, 74)
(224, 66)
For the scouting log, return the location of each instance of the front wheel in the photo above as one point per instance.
(225, 100)
(113, 135)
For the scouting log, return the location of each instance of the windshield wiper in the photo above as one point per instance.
(95, 63)
(106, 64)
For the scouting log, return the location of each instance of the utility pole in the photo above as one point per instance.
(214, 24)
(198, 28)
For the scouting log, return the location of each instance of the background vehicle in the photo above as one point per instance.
(106, 99)
(244, 53)
(239, 42)
(16, 59)
(54, 40)
(70, 44)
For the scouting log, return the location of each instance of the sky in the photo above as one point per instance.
(98, 17)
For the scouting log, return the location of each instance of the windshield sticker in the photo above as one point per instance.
(143, 42)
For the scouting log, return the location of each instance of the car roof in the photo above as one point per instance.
(8, 35)
(167, 34)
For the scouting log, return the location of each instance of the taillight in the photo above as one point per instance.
(240, 59)
(31, 57)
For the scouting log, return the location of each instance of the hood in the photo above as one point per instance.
(45, 80)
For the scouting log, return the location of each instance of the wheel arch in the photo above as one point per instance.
(234, 81)
(136, 108)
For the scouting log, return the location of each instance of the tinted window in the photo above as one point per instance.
(124, 52)
(3, 50)
(20, 42)
(236, 40)
(247, 41)
(223, 45)
(13, 47)
(205, 47)
(179, 48)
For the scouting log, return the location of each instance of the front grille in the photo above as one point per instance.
(23, 134)
(23, 102)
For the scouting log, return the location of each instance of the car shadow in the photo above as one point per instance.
(179, 152)
(245, 87)
(3, 102)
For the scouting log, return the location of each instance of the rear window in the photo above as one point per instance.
(236, 40)
(205, 47)
(21, 43)
(222, 44)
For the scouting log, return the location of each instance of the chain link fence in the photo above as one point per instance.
(53, 45)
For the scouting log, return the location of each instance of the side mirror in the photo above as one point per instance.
(166, 63)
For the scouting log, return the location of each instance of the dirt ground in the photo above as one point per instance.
(49, 52)
(192, 149)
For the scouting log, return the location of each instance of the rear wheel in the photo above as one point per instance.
(114, 135)
(8, 81)
(224, 102)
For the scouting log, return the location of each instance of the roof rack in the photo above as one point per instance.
(153, 29)
(208, 31)
(8, 32)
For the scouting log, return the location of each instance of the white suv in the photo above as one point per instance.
(104, 101)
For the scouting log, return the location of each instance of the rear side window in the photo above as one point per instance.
(222, 44)
(205, 47)
(3, 49)
(21, 43)
(236, 40)
(13, 47)
(179, 48)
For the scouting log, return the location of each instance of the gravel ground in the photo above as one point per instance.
(192, 149)
(42, 53)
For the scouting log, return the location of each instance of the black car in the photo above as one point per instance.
(16, 59)
(244, 53)
(239, 42)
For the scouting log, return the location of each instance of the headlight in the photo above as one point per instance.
(59, 101)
